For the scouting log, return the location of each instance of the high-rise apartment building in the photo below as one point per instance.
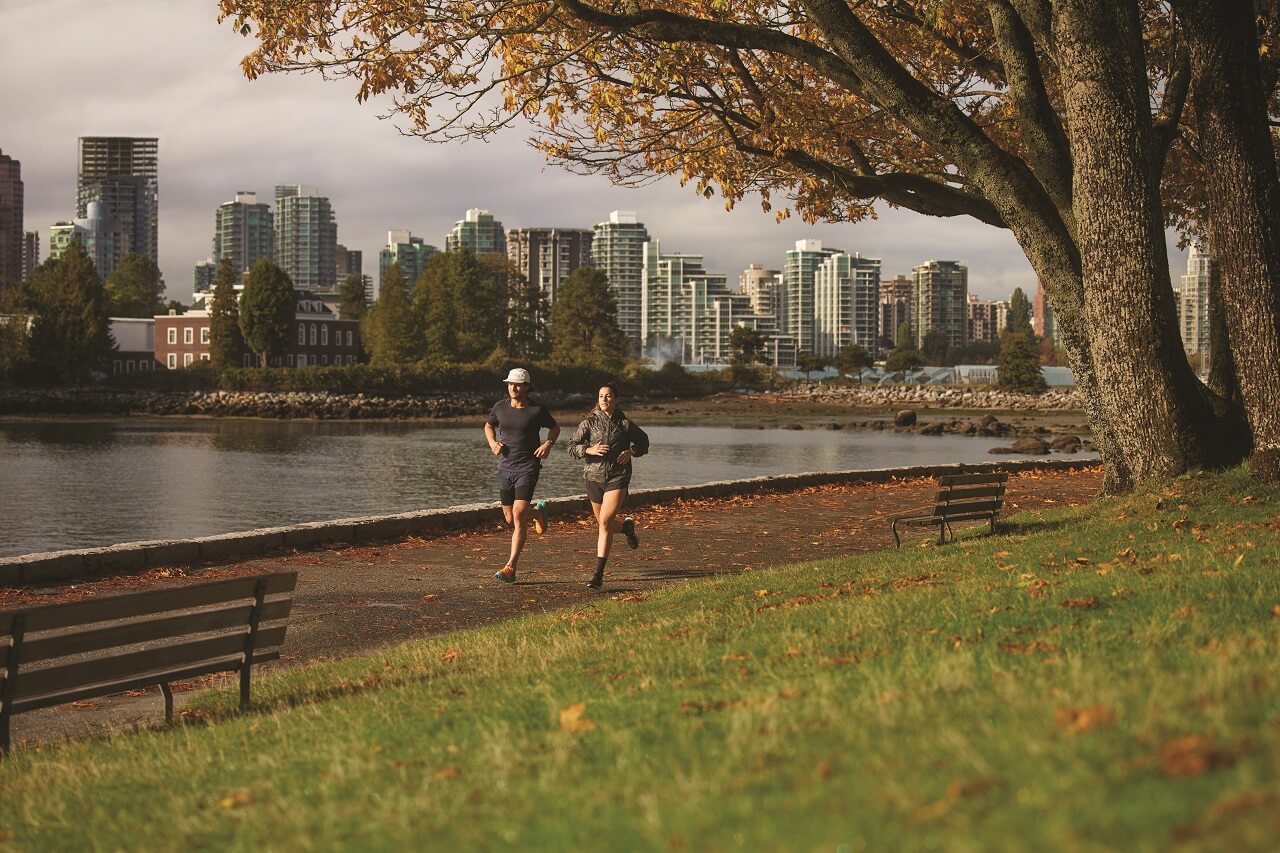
(983, 324)
(408, 252)
(940, 301)
(104, 239)
(895, 308)
(798, 295)
(244, 231)
(688, 312)
(1193, 301)
(11, 231)
(763, 287)
(618, 250)
(479, 232)
(202, 277)
(1043, 323)
(547, 256)
(121, 173)
(846, 300)
(306, 237)
(347, 262)
(30, 252)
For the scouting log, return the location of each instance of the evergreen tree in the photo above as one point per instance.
(748, 346)
(464, 305)
(70, 335)
(527, 320)
(352, 302)
(225, 341)
(934, 347)
(390, 328)
(135, 288)
(905, 339)
(584, 322)
(268, 307)
(1020, 365)
(176, 307)
(1019, 320)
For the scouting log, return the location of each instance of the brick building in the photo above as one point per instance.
(320, 339)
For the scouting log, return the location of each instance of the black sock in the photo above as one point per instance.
(600, 561)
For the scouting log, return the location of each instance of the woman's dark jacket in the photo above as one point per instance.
(619, 433)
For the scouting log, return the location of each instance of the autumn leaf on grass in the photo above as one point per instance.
(450, 655)
(1191, 755)
(236, 799)
(573, 719)
(448, 773)
(1076, 720)
(1086, 603)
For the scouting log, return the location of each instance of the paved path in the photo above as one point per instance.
(356, 599)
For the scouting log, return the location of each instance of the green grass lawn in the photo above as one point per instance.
(1100, 677)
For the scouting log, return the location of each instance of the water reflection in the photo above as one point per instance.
(66, 484)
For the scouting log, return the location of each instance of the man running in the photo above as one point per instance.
(514, 432)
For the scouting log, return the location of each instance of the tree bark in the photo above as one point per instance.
(1244, 206)
(1129, 311)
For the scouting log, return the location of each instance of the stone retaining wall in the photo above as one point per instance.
(250, 404)
(52, 567)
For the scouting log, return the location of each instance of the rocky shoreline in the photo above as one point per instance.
(245, 404)
(937, 396)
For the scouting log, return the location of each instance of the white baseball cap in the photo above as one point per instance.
(519, 376)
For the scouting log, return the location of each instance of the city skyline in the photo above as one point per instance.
(220, 133)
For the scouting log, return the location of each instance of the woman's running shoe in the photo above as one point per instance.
(629, 531)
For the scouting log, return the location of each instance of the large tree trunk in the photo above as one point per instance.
(1160, 413)
(1244, 205)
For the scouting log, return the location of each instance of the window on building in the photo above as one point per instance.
(302, 333)
(115, 365)
(302, 359)
(204, 334)
(204, 356)
(186, 359)
(349, 343)
(324, 359)
(188, 335)
(173, 334)
(313, 334)
(173, 360)
(288, 359)
(247, 359)
(324, 335)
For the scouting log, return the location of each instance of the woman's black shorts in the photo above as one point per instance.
(596, 489)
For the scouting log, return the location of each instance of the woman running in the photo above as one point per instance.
(606, 442)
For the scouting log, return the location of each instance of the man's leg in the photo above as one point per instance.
(520, 529)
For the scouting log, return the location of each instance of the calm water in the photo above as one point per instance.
(82, 484)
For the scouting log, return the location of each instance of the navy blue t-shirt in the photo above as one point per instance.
(518, 432)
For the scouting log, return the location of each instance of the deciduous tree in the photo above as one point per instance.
(853, 357)
(70, 336)
(1033, 116)
(268, 307)
(747, 346)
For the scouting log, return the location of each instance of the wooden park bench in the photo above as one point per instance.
(961, 497)
(61, 653)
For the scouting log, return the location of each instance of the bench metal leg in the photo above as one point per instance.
(168, 701)
(896, 539)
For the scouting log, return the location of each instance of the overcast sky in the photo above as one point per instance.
(142, 68)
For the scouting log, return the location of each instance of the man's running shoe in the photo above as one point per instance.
(629, 531)
(507, 574)
(540, 517)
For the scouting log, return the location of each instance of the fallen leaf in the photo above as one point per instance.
(448, 773)
(733, 656)
(791, 693)
(1192, 755)
(1083, 561)
(236, 799)
(1076, 720)
(573, 719)
(1082, 603)
(823, 770)
(450, 655)
(429, 597)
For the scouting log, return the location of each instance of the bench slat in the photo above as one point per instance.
(96, 640)
(51, 616)
(230, 663)
(971, 516)
(952, 509)
(959, 494)
(133, 663)
(966, 479)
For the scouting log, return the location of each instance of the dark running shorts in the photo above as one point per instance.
(516, 485)
(596, 490)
